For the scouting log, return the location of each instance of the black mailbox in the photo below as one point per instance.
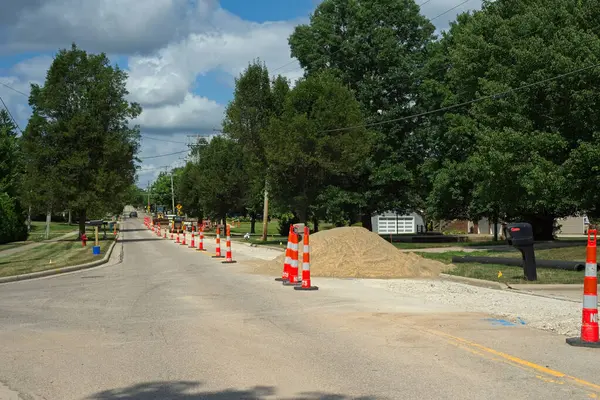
(97, 222)
(520, 235)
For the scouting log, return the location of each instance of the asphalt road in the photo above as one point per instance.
(172, 323)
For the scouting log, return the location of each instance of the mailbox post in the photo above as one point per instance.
(298, 230)
(96, 224)
(520, 235)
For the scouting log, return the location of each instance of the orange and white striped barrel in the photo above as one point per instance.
(589, 324)
(293, 276)
(285, 274)
(306, 284)
(589, 327)
(218, 243)
(183, 243)
(178, 241)
(201, 239)
(228, 256)
(165, 234)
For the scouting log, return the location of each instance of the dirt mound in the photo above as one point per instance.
(354, 252)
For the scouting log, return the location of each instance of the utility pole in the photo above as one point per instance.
(197, 137)
(265, 230)
(149, 189)
(172, 193)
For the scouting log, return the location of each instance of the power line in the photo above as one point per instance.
(13, 89)
(161, 140)
(491, 96)
(10, 115)
(423, 3)
(164, 155)
(447, 11)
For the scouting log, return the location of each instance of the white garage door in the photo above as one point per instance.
(393, 225)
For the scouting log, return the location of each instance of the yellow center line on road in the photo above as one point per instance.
(477, 348)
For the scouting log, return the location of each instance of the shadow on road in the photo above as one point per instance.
(186, 390)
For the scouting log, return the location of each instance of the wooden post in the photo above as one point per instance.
(96, 241)
(265, 228)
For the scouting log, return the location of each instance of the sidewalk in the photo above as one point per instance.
(30, 246)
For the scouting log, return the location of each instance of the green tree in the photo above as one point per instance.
(247, 116)
(525, 145)
(13, 220)
(80, 148)
(160, 190)
(377, 48)
(10, 155)
(304, 152)
(220, 177)
(188, 190)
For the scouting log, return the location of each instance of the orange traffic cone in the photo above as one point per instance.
(589, 327)
(193, 243)
(178, 238)
(285, 274)
(184, 235)
(306, 264)
(165, 234)
(228, 256)
(218, 242)
(201, 240)
(293, 276)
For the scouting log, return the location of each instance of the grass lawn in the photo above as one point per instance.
(12, 245)
(511, 274)
(50, 256)
(38, 230)
(272, 230)
(407, 245)
(486, 243)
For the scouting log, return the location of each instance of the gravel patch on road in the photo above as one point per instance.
(562, 317)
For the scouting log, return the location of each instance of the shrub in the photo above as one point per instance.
(285, 220)
(12, 221)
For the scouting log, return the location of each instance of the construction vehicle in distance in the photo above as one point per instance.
(159, 219)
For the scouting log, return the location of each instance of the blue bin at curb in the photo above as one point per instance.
(96, 250)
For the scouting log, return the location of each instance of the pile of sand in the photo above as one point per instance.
(355, 252)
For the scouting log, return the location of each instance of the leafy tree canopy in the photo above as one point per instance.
(79, 146)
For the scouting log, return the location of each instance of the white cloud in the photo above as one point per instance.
(194, 113)
(168, 75)
(114, 26)
(169, 44)
(33, 69)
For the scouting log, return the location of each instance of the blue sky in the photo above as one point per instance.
(269, 10)
(181, 55)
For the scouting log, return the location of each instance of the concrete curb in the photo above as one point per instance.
(63, 270)
(474, 282)
(260, 246)
(548, 286)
